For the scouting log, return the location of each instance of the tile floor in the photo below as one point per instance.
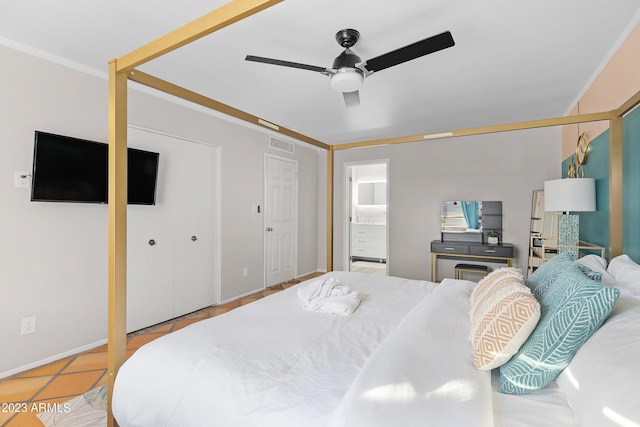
(60, 381)
(375, 268)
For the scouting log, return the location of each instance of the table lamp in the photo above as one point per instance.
(570, 195)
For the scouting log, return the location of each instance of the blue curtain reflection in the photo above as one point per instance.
(470, 211)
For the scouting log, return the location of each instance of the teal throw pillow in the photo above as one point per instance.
(593, 275)
(546, 274)
(572, 308)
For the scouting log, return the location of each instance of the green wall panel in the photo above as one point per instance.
(594, 226)
(631, 185)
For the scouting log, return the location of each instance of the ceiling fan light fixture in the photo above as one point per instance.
(349, 71)
(347, 80)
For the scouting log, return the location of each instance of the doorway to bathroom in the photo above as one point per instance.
(367, 201)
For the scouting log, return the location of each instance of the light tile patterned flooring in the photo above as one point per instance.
(375, 268)
(22, 394)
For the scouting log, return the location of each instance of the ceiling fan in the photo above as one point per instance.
(349, 71)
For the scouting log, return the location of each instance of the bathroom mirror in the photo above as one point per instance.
(372, 193)
(461, 216)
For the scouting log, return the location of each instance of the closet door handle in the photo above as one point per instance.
(269, 229)
(152, 242)
(194, 238)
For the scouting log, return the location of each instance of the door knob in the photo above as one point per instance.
(152, 242)
(194, 238)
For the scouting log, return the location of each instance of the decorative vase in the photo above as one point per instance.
(492, 240)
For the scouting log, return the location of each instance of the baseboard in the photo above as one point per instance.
(246, 294)
(51, 359)
(310, 272)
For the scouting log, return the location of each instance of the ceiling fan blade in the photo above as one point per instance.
(412, 51)
(286, 64)
(351, 99)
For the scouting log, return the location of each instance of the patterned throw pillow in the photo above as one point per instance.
(546, 274)
(593, 275)
(573, 307)
(490, 280)
(503, 316)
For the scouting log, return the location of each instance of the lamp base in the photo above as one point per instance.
(568, 230)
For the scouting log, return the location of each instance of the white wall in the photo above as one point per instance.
(503, 166)
(53, 256)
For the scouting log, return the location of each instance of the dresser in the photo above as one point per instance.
(469, 252)
(369, 241)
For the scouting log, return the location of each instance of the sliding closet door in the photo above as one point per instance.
(149, 267)
(171, 245)
(193, 227)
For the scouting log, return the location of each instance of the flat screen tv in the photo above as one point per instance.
(67, 169)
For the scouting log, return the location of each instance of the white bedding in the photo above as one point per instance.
(422, 373)
(547, 407)
(270, 363)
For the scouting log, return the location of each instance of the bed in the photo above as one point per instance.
(405, 356)
(124, 68)
(267, 363)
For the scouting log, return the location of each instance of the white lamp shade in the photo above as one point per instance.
(347, 80)
(570, 195)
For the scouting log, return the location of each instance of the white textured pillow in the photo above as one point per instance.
(503, 315)
(492, 279)
(601, 380)
(599, 265)
(626, 274)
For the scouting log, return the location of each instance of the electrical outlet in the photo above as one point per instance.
(28, 325)
(245, 271)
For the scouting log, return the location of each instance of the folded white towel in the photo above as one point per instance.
(343, 305)
(316, 289)
(329, 296)
(340, 291)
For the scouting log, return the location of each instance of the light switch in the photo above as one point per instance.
(22, 179)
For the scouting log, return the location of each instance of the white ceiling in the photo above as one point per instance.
(513, 61)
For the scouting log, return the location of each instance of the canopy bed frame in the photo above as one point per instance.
(124, 68)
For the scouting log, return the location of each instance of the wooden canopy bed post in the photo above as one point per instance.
(330, 153)
(117, 313)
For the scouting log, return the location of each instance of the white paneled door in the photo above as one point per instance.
(281, 219)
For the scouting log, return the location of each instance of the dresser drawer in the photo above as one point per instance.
(372, 248)
(452, 248)
(494, 251)
(360, 230)
(366, 243)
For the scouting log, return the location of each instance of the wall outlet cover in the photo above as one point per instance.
(28, 325)
(21, 179)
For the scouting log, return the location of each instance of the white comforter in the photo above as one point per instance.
(422, 374)
(270, 363)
